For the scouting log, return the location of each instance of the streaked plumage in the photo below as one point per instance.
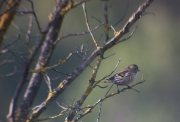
(125, 76)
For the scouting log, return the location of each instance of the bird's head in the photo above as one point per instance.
(134, 67)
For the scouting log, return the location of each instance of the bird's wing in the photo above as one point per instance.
(121, 76)
(118, 77)
(123, 73)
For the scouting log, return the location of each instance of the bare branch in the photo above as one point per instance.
(79, 34)
(9, 74)
(35, 16)
(48, 81)
(87, 23)
(66, 82)
(7, 17)
(43, 60)
(106, 26)
(45, 69)
(59, 11)
(128, 36)
(5, 61)
(6, 47)
(125, 13)
(91, 107)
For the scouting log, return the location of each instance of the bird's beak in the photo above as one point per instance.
(138, 70)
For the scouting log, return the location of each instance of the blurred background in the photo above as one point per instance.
(154, 47)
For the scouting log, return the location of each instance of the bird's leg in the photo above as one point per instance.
(118, 91)
(129, 87)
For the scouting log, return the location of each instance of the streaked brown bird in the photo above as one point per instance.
(125, 76)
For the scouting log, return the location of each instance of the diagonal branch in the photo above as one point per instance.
(87, 92)
(91, 107)
(50, 32)
(87, 24)
(7, 17)
(66, 82)
(43, 60)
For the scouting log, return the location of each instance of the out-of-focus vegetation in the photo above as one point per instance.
(154, 48)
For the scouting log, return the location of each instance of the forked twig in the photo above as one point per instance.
(87, 23)
(91, 107)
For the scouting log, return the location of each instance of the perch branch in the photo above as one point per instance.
(66, 82)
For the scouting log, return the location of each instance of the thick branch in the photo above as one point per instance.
(44, 34)
(66, 82)
(43, 60)
(91, 107)
(7, 17)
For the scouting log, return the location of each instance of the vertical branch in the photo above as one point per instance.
(14, 100)
(106, 25)
(7, 17)
(33, 12)
(67, 81)
(87, 23)
(43, 60)
(90, 87)
(49, 38)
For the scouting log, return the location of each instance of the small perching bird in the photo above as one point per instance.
(125, 76)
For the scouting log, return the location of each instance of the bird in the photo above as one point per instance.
(125, 76)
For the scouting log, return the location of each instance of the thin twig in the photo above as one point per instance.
(78, 34)
(131, 34)
(9, 74)
(108, 75)
(125, 13)
(35, 16)
(87, 24)
(66, 82)
(91, 107)
(100, 107)
(106, 25)
(48, 81)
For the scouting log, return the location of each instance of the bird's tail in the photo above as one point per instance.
(107, 81)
